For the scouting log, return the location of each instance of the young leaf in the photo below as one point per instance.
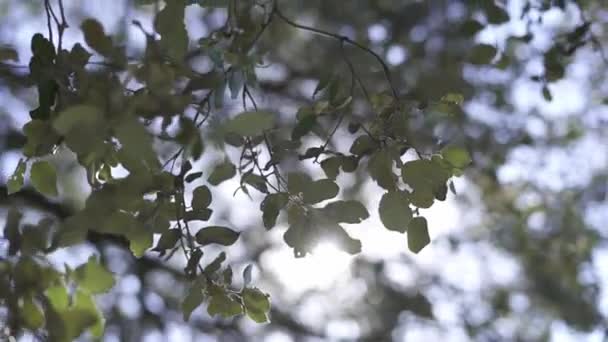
(93, 277)
(457, 157)
(221, 304)
(216, 234)
(418, 234)
(44, 178)
(257, 304)
(31, 314)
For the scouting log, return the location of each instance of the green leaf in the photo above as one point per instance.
(216, 234)
(169, 23)
(380, 168)
(137, 152)
(457, 157)
(223, 305)
(482, 54)
(41, 138)
(426, 177)
(77, 116)
(201, 198)
(44, 178)
(222, 172)
(198, 215)
(85, 303)
(193, 299)
(139, 242)
(168, 240)
(257, 304)
(312, 191)
(256, 181)
(417, 234)
(394, 211)
(303, 126)
(96, 37)
(31, 314)
(58, 297)
(251, 123)
(320, 190)
(271, 206)
(453, 98)
(215, 265)
(331, 167)
(364, 144)
(15, 182)
(93, 277)
(346, 211)
(193, 176)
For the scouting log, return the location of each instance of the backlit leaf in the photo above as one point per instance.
(271, 206)
(394, 210)
(418, 234)
(44, 178)
(257, 304)
(346, 211)
(93, 277)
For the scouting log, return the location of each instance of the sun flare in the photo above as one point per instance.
(319, 270)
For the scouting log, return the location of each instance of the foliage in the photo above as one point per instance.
(126, 112)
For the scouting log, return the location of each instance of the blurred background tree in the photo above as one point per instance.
(517, 248)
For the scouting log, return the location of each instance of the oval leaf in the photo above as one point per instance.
(417, 234)
(395, 212)
(217, 234)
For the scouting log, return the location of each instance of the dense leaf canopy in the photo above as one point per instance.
(148, 132)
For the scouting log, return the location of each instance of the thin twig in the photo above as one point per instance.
(345, 40)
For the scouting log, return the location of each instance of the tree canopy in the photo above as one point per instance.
(145, 131)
